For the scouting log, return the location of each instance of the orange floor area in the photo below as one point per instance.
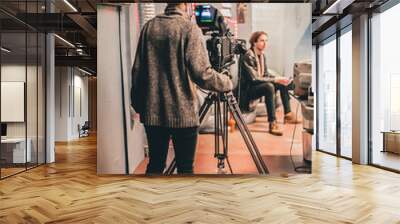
(274, 149)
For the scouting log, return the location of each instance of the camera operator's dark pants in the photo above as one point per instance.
(267, 89)
(184, 140)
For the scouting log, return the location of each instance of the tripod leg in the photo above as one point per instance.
(170, 170)
(248, 144)
(216, 127)
(247, 137)
(205, 107)
(257, 151)
(229, 165)
(221, 127)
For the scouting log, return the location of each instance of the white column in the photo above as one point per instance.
(50, 99)
(360, 90)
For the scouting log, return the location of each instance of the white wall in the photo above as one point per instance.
(110, 133)
(68, 81)
(62, 81)
(79, 117)
(289, 31)
(12, 73)
(33, 127)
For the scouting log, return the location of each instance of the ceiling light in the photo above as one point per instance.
(70, 5)
(65, 41)
(84, 71)
(5, 50)
(338, 6)
(335, 4)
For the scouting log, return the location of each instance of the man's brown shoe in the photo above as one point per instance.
(274, 129)
(290, 118)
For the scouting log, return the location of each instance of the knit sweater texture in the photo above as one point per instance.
(170, 61)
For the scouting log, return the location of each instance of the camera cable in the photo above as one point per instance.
(302, 168)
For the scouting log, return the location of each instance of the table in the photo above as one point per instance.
(391, 141)
(13, 150)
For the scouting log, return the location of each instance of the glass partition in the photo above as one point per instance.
(327, 96)
(22, 90)
(346, 93)
(385, 89)
(14, 153)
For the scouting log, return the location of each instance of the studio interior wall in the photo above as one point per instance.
(111, 157)
(71, 102)
(289, 33)
(16, 73)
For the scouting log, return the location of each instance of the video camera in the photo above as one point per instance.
(221, 47)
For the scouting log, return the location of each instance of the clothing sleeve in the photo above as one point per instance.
(198, 64)
(136, 71)
(252, 72)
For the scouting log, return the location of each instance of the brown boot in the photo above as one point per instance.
(290, 118)
(274, 129)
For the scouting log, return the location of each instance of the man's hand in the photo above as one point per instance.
(227, 73)
(133, 115)
(283, 81)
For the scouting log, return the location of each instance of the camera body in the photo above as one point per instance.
(221, 47)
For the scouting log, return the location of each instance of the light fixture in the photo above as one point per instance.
(70, 5)
(5, 50)
(64, 40)
(84, 71)
(337, 7)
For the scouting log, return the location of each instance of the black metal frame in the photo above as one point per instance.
(338, 93)
(0, 87)
(369, 70)
(387, 5)
(44, 78)
(338, 34)
(318, 98)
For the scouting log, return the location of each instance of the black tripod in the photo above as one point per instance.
(229, 104)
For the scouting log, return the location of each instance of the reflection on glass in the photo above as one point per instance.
(41, 99)
(13, 86)
(31, 101)
(346, 94)
(22, 90)
(386, 89)
(327, 97)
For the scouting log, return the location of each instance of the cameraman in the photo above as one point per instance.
(256, 82)
(170, 58)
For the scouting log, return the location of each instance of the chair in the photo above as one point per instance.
(84, 130)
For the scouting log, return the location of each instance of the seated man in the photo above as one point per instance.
(256, 82)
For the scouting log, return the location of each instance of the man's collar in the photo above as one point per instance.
(257, 52)
(174, 11)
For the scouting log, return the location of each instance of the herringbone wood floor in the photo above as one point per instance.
(69, 191)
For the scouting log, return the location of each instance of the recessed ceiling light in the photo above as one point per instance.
(64, 40)
(84, 71)
(333, 6)
(70, 5)
(5, 50)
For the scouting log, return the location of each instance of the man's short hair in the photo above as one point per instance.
(254, 37)
(174, 4)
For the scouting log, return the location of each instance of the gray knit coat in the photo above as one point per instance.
(170, 61)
